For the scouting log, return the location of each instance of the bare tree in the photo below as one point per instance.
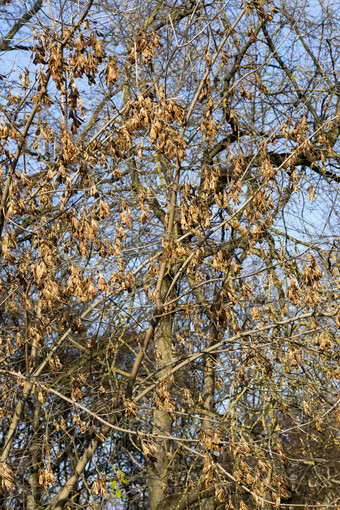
(169, 255)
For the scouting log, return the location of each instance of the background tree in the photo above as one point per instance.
(169, 255)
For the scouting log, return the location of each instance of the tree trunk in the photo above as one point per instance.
(162, 421)
(34, 495)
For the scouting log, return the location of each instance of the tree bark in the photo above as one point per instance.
(34, 496)
(162, 421)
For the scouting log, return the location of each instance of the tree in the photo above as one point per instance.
(169, 255)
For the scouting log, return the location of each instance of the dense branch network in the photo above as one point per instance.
(169, 318)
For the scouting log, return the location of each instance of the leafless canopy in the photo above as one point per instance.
(169, 275)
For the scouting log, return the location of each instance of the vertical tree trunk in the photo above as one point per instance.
(209, 401)
(34, 494)
(162, 421)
